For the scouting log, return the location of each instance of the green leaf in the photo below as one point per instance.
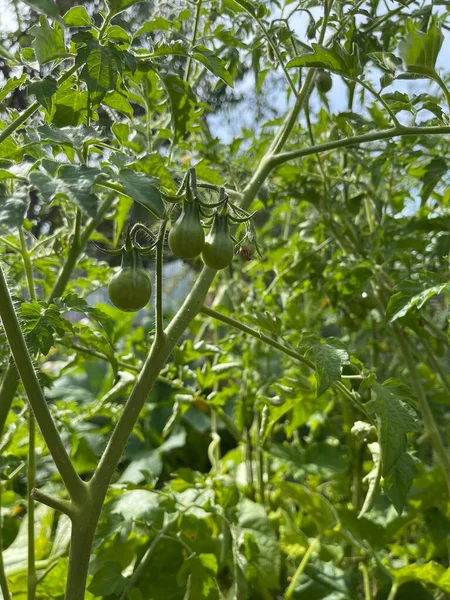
(115, 32)
(258, 544)
(242, 6)
(145, 463)
(413, 294)
(316, 506)
(176, 47)
(44, 90)
(74, 181)
(108, 580)
(101, 67)
(11, 84)
(77, 16)
(156, 24)
(154, 164)
(119, 102)
(139, 504)
(213, 63)
(398, 483)
(335, 59)
(71, 108)
(74, 137)
(182, 103)
(117, 6)
(433, 172)
(13, 207)
(40, 323)
(420, 50)
(72, 302)
(48, 7)
(430, 573)
(395, 419)
(48, 41)
(143, 190)
(196, 576)
(328, 357)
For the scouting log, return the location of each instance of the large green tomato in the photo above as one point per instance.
(219, 247)
(187, 238)
(130, 289)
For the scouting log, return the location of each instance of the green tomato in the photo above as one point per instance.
(187, 238)
(219, 247)
(130, 289)
(324, 83)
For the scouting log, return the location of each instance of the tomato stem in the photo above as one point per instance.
(159, 315)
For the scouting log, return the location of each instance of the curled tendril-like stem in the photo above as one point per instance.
(116, 252)
(130, 242)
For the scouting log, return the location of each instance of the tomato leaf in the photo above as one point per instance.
(433, 172)
(182, 103)
(44, 91)
(395, 419)
(414, 294)
(48, 41)
(143, 190)
(13, 207)
(108, 580)
(102, 66)
(419, 50)
(77, 16)
(335, 59)
(197, 576)
(430, 573)
(258, 544)
(328, 357)
(213, 63)
(73, 181)
(11, 84)
(398, 483)
(48, 7)
(118, 6)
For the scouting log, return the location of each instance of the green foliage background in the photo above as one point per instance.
(297, 450)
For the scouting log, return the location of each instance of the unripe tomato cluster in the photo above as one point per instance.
(187, 238)
(130, 288)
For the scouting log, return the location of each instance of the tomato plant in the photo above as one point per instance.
(274, 422)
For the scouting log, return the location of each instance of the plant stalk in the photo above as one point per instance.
(301, 567)
(34, 392)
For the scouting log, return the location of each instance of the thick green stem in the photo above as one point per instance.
(34, 392)
(31, 480)
(84, 524)
(284, 157)
(82, 536)
(159, 313)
